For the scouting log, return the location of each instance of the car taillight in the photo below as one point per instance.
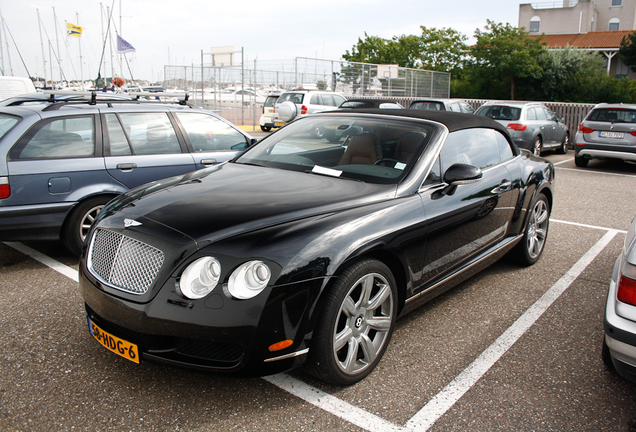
(627, 290)
(633, 133)
(517, 126)
(303, 110)
(584, 129)
(5, 189)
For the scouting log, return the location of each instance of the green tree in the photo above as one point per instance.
(400, 50)
(505, 55)
(442, 50)
(627, 50)
(563, 70)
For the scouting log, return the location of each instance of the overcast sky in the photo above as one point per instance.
(174, 32)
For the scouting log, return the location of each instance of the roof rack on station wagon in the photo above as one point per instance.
(101, 96)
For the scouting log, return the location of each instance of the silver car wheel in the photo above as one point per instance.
(87, 220)
(537, 229)
(363, 323)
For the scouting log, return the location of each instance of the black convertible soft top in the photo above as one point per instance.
(454, 121)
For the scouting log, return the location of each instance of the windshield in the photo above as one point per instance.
(350, 147)
(498, 112)
(614, 115)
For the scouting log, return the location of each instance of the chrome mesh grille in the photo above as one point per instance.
(124, 263)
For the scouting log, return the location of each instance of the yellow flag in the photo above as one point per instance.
(73, 30)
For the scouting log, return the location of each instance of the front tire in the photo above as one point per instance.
(355, 325)
(79, 222)
(530, 248)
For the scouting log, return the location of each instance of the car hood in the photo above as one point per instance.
(231, 199)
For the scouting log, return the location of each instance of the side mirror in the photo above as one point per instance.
(460, 174)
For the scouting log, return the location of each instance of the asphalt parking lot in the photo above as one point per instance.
(510, 349)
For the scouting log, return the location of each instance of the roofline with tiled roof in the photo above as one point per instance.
(600, 40)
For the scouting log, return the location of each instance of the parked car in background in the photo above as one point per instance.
(305, 251)
(619, 344)
(293, 104)
(607, 132)
(455, 105)
(266, 121)
(532, 125)
(370, 103)
(61, 161)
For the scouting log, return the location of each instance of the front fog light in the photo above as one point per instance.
(200, 278)
(249, 279)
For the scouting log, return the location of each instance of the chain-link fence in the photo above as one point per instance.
(237, 92)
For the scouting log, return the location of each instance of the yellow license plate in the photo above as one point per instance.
(279, 124)
(119, 346)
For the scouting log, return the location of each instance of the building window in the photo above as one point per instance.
(535, 24)
(617, 2)
(614, 24)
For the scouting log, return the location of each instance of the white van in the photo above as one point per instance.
(13, 86)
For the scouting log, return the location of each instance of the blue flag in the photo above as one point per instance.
(124, 46)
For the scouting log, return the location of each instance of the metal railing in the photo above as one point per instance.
(555, 4)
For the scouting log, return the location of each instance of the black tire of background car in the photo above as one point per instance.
(520, 253)
(266, 128)
(75, 226)
(536, 146)
(581, 162)
(323, 361)
(564, 145)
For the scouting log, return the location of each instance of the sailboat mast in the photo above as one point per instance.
(57, 43)
(42, 45)
(79, 42)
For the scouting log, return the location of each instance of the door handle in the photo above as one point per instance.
(504, 186)
(208, 161)
(126, 166)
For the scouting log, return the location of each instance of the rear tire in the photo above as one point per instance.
(581, 162)
(530, 248)
(606, 356)
(79, 222)
(536, 146)
(266, 128)
(355, 325)
(565, 144)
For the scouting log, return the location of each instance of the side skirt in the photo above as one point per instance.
(468, 270)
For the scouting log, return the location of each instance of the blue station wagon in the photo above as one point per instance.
(61, 161)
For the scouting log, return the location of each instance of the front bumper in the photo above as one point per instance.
(215, 333)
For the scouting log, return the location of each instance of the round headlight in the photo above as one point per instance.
(200, 278)
(249, 279)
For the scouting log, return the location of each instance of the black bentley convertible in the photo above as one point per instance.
(306, 251)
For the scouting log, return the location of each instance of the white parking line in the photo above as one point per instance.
(444, 400)
(593, 172)
(44, 259)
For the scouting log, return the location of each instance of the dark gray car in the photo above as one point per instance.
(62, 161)
(608, 132)
(532, 125)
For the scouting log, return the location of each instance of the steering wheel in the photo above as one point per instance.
(383, 162)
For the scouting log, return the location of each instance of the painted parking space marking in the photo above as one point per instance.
(441, 403)
(44, 259)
